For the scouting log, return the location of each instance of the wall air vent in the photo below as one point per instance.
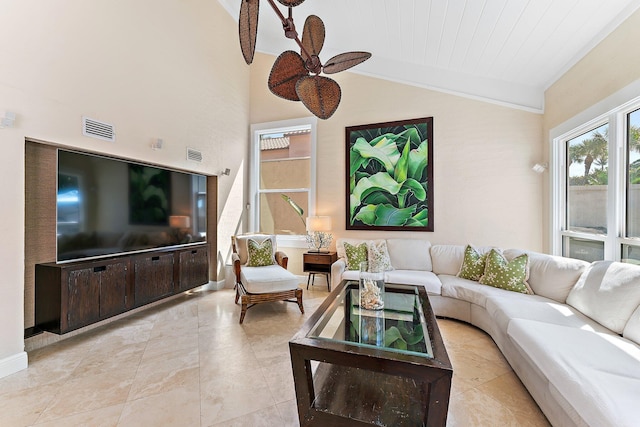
(97, 129)
(193, 154)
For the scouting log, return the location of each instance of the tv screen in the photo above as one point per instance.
(107, 206)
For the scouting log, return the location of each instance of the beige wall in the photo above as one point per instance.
(610, 66)
(485, 191)
(169, 70)
(607, 69)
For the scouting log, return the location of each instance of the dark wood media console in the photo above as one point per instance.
(76, 294)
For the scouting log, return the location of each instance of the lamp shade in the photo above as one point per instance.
(319, 223)
(179, 221)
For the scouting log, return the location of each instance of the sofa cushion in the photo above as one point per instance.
(503, 308)
(608, 292)
(351, 275)
(378, 256)
(632, 328)
(447, 259)
(410, 254)
(597, 373)
(430, 281)
(473, 264)
(356, 254)
(412, 277)
(509, 275)
(469, 290)
(272, 278)
(551, 276)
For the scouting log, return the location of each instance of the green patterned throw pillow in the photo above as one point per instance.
(473, 264)
(355, 255)
(260, 254)
(510, 275)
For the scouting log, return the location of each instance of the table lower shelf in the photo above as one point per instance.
(370, 397)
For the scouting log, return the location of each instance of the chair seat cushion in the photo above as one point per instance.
(267, 279)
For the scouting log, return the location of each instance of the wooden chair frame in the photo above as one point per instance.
(248, 299)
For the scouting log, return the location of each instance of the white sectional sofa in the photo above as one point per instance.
(574, 343)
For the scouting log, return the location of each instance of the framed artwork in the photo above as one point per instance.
(389, 176)
(149, 195)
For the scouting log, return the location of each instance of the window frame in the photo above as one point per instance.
(282, 126)
(617, 188)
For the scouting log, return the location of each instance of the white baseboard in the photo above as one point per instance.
(12, 364)
(213, 286)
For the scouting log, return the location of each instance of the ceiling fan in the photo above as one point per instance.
(296, 76)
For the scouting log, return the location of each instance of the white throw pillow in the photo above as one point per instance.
(608, 292)
(378, 256)
(410, 254)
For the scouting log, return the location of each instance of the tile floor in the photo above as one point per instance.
(188, 362)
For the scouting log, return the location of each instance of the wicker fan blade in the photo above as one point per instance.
(290, 3)
(312, 36)
(286, 71)
(320, 95)
(344, 61)
(248, 28)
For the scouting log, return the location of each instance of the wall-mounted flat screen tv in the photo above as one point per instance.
(108, 206)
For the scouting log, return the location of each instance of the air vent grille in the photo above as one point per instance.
(194, 155)
(97, 129)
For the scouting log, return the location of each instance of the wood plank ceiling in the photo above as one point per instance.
(503, 51)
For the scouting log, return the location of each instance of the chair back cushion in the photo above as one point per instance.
(241, 244)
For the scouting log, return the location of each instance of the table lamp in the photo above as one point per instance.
(180, 224)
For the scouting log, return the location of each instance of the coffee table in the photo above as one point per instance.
(356, 367)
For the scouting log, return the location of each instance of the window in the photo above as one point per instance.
(630, 252)
(282, 177)
(586, 193)
(596, 183)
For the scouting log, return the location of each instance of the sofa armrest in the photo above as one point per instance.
(282, 259)
(337, 268)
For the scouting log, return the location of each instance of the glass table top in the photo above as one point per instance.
(399, 327)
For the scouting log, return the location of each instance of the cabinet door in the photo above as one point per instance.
(113, 288)
(84, 298)
(194, 268)
(153, 277)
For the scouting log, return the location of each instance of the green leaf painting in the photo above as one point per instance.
(149, 195)
(389, 181)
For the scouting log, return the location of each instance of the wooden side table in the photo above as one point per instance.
(318, 263)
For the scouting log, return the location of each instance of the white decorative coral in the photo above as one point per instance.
(319, 239)
(370, 298)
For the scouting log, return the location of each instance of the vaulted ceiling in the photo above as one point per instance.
(504, 51)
